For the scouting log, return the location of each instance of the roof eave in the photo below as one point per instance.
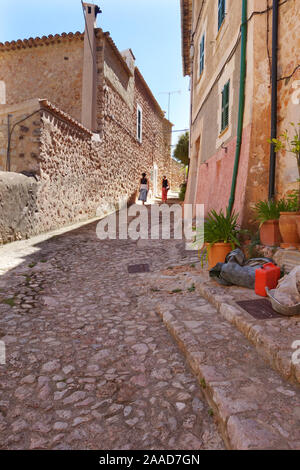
(186, 26)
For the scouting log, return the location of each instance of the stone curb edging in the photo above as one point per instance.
(238, 433)
(278, 358)
(194, 358)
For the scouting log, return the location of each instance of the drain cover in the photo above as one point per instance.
(260, 309)
(138, 268)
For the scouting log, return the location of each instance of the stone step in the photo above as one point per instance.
(272, 338)
(254, 407)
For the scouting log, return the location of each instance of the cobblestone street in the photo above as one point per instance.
(90, 365)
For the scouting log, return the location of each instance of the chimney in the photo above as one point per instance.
(89, 78)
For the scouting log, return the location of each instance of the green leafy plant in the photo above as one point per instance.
(192, 288)
(221, 228)
(217, 228)
(10, 302)
(181, 152)
(290, 145)
(270, 210)
(182, 191)
(291, 203)
(203, 383)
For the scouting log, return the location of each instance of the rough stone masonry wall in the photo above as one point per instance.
(18, 195)
(125, 156)
(25, 138)
(69, 185)
(49, 68)
(178, 175)
(78, 177)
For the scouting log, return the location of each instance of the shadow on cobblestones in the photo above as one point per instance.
(89, 363)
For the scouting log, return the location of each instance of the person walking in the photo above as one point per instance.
(165, 189)
(144, 188)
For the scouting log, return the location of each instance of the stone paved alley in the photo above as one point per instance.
(90, 364)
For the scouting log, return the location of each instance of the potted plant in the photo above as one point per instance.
(288, 218)
(288, 221)
(268, 213)
(220, 236)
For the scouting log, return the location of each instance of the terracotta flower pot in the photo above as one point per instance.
(270, 233)
(297, 219)
(217, 253)
(288, 229)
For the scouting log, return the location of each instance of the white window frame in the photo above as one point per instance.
(139, 111)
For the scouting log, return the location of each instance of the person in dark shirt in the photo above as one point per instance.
(144, 188)
(165, 189)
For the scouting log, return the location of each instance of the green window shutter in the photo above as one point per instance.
(202, 49)
(221, 12)
(225, 106)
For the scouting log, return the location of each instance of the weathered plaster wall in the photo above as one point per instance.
(215, 177)
(218, 44)
(288, 91)
(210, 182)
(212, 151)
(288, 111)
(48, 69)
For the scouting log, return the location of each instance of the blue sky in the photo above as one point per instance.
(151, 28)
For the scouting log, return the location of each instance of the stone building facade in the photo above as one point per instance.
(211, 45)
(90, 126)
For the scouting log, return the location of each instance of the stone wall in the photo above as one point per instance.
(50, 67)
(69, 183)
(79, 176)
(25, 137)
(18, 198)
(178, 175)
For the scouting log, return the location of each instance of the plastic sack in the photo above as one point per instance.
(288, 289)
(237, 271)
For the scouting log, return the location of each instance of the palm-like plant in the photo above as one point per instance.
(291, 145)
(219, 228)
(270, 210)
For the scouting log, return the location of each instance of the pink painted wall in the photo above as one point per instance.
(215, 177)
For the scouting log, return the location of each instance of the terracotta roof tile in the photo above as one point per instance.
(35, 42)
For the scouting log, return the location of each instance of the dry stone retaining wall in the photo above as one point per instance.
(77, 177)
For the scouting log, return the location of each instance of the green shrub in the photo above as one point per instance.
(182, 191)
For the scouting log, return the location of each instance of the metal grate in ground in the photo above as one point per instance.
(138, 268)
(260, 309)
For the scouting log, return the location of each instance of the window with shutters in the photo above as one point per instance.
(202, 55)
(221, 12)
(225, 107)
(139, 124)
